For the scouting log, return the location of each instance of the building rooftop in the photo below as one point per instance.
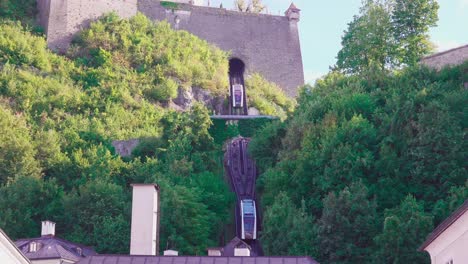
(50, 247)
(125, 259)
(444, 225)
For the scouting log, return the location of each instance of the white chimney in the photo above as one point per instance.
(48, 228)
(214, 252)
(145, 220)
(241, 252)
(171, 252)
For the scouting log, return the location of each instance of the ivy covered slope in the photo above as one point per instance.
(59, 115)
(365, 168)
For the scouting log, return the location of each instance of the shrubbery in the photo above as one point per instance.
(400, 137)
(60, 115)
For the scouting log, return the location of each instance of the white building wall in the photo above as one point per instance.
(144, 229)
(452, 244)
(9, 253)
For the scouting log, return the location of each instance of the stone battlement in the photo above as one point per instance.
(267, 44)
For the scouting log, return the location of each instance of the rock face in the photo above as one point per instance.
(187, 97)
(125, 147)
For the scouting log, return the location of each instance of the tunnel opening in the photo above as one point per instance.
(238, 98)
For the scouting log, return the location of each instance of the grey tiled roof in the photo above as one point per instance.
(125, 259)
(51, 247)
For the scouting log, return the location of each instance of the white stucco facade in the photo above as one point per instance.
(9, 253)
(451, 246)
(145, 214)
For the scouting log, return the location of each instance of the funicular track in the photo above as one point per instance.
(242, 174)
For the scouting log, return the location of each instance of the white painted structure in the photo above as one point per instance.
(9, 253)
(48, 228)
(145, 220)
(171, 252)
(448, 244)
(214, 252)
(241, 252)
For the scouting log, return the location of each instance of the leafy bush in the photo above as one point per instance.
(59, 116)
(267, 97)
(402, 136)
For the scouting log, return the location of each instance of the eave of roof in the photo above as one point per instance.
(138, 259)
(444, 225)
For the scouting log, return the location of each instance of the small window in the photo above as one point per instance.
(33, 247)
(79, 251)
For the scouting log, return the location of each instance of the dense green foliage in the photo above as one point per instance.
(387, 34)
(377, 162)
(151, 59)
(267, 97)
(223, 130)
(23, 10)
(360, 173)
(58, 117)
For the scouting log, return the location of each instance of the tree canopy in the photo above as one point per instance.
(387, 34)
(375, 161)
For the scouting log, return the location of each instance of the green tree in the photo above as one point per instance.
(347, 226)
(367, 44)
(411, 21)
(404, 229)
(386, 34)
(16, 151)
(186, 221)
(287, 230)
(25, 202)
(95, 209)
(23, 10)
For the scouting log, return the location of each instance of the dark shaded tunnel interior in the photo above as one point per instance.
(238, 99)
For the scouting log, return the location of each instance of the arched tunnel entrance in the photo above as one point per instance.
(238, 98)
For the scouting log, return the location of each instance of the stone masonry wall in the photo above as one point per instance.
(451, 57)
(266, 44)
(67, 17)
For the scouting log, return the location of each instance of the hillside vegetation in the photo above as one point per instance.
(59, 115)
(364, 169)
(58, 119)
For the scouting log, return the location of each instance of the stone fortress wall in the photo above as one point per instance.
(267, 44)
(62, 19)
(450, 57)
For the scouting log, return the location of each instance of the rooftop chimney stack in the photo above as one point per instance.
(241, 252)
(215, 252)
(171, 252)
(48, 228)
(145, 220)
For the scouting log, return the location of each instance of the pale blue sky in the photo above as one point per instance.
(323, 22)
